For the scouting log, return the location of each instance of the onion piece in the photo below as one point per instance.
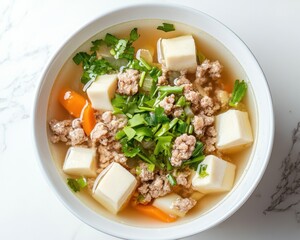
(144, 54)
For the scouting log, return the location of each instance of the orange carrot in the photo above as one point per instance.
(72, 101)
(154, 212)
(88, 119)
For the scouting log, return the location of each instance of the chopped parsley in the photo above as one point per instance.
(239, 90)
(92, 66)
(77, 184)
(119, 49)
(148, 122)
(166, 27)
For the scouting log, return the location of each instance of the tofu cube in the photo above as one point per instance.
(114, 188)
(80, 161)
(102, 90)
(178, 53)
(165, 204)
(234, 131)
(219, 179)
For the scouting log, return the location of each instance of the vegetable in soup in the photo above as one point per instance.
(151, 130)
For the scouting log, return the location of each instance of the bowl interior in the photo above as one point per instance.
(217, 43)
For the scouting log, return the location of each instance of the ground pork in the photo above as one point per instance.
(168, 103)
(128, 82)
(192, 96)
(200, 122)
(145, 174)
(208, 106)
(209, 143)
(210, 139)
(182, 179)
(181, 81)
(107, 156)
(105, 130)
(67, 131)
(183, 148)
(177, 112)
(163, 79)
(158, 187)
(208, 70)
(183, 204)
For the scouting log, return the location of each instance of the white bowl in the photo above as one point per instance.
(262, 119)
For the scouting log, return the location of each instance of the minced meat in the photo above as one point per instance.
(128, 82)
(183, 148)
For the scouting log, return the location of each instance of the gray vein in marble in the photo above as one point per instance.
(20, 70)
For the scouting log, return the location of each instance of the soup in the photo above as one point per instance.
(156, 124)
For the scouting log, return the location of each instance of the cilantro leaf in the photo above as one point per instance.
(128, 149)
(134, 35)
(92, 67)
(239, 90)
(110, 39)
(160, 116)
(77, 184)
(166, 27)
(96, 45)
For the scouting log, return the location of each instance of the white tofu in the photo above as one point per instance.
(234, 131)
(220, 176)
(114, 188)
(178, 53)
(102, 90)
(165, 204)
(80, 161)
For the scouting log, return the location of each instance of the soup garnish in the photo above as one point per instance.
(155, 136)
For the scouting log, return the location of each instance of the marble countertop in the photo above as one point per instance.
(31, 31)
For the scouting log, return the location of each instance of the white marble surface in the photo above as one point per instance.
(31, 31)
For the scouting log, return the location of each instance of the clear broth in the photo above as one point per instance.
(70, 76)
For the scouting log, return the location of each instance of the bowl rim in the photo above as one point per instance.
(194, 226)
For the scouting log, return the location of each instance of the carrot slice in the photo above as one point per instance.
(88, 119)
(72, 101)
(154, 212)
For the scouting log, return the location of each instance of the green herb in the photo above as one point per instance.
(155, 73)
(130, 132)
(201, 170)
(96, 44)
(181, 102)
(239, 90)
(142, 78)
(145, 64)
(163, 146)
(134, 35)
(171, 179)
(198, 151)
(160, 116)
(122, 48)
(92, 67)
(136, 120)
(110, 39)
(77, 184)
(151, 167)
(171, 89)
(166, 27)
(128, 149)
